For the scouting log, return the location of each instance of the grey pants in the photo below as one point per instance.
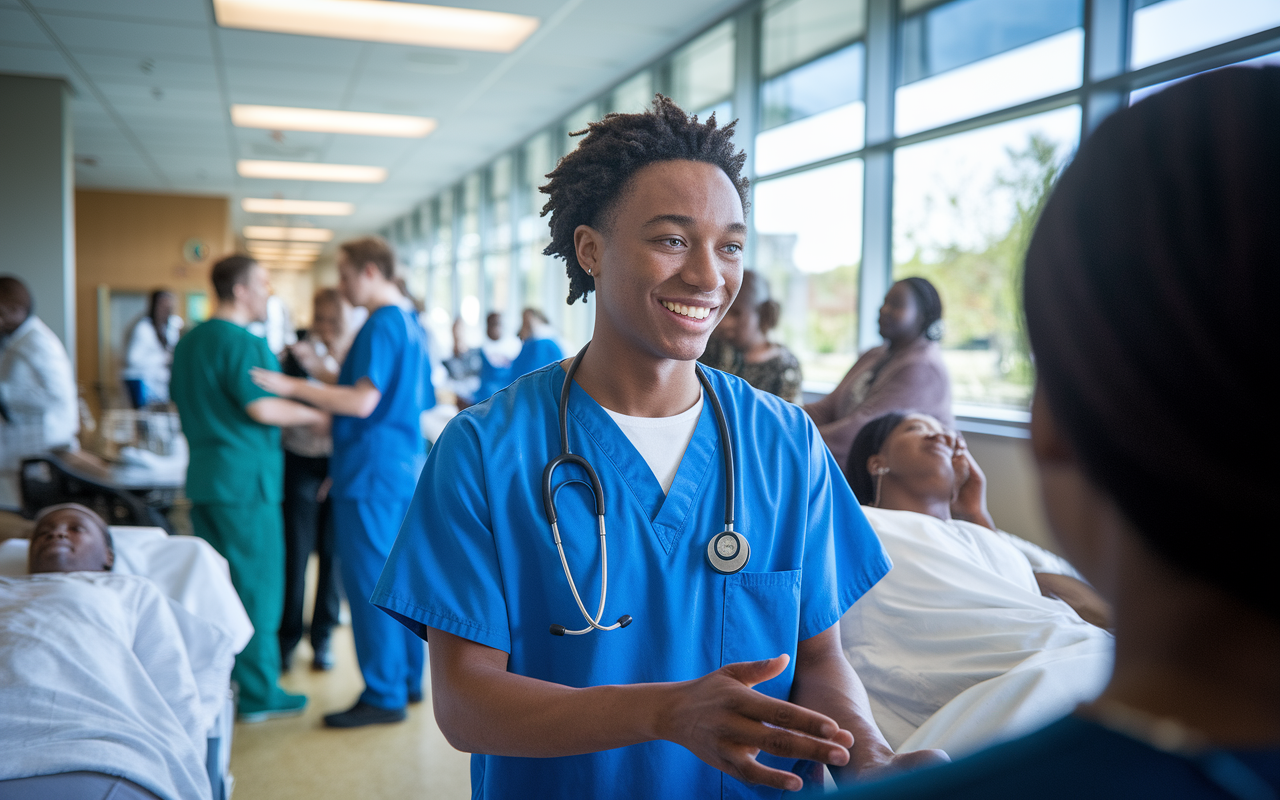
(73, 786)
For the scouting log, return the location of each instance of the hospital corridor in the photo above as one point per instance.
(714, 399)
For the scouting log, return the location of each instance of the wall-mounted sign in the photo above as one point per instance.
(195, 251)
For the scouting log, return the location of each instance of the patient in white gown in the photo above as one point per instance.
(95, 679)
(975, 635)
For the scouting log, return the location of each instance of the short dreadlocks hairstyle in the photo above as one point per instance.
(585, 186)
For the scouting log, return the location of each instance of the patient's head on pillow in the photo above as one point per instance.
(907, 451)
(1150, 292)
(70, 538)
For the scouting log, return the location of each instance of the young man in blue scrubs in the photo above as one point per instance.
(378, 451)
(721, 685)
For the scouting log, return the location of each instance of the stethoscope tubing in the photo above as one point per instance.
(567, 456)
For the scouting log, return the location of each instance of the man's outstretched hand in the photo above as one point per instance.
(726, 723)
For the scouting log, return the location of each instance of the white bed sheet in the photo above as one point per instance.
(95, 676)
(197, 581)
(956, 645)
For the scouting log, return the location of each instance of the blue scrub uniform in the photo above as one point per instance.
(475, 558)
(535, 354)
(375, 464)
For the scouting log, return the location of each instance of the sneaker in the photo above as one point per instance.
(362, 714)
(322, 661)
(288, 705)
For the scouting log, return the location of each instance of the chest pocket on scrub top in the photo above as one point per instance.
(762, 620)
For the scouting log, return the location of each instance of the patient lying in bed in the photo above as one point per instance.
(975, 635)
(95, 676)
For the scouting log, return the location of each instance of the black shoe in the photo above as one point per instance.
(286, 661)
(362, 714)
(322, 661)
(415, 697)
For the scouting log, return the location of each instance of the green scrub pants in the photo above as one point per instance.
(251, 537)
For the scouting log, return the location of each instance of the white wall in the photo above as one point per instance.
(1013, 490)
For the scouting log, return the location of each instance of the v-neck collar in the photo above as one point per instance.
(668, 515)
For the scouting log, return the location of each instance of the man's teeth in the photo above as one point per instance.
(692, 312)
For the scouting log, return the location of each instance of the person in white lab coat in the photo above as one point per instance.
(39, 407)
(149, 347)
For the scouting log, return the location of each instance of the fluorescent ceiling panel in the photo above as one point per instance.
(287, 234)
(319, 208)
(280, 118)
(277, 247)
(309, 171)
(381, 21)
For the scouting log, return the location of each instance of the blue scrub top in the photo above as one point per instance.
(382, 455)
(475, 558)
(535, 354)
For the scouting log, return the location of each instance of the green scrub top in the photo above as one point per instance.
(233, 458)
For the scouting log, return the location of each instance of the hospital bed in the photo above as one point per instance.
(195, 577)
(957, 648)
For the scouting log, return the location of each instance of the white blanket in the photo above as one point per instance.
(94, 675)
(960, 622)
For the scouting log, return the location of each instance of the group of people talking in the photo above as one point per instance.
(631, 569)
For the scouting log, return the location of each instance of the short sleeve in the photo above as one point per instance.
(843, 557)
(238, 383)
(443, 571)
(373, 353)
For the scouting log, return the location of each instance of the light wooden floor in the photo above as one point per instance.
(300, 758)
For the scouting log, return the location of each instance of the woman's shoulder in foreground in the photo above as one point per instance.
(1077, 758)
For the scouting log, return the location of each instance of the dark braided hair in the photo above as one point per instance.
(866, 444)
(586, 184)
(930, 304)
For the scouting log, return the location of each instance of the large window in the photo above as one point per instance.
(701, 73)
(1163, 29)
(889, 138)
(963, 210)
(968, 57)
(811, 92)
(809, 245)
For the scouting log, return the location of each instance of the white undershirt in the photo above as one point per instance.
(661, 441)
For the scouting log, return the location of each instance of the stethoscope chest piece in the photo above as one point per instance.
(728, 552)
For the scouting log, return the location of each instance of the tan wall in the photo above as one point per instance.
(134, 242)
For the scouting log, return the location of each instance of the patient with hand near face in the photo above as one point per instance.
(97, 692)
(975, 635)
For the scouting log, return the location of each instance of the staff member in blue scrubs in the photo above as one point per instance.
(721, 683)
(378, 451)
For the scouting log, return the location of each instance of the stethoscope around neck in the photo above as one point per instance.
(727, 552)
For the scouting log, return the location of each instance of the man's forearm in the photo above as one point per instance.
(492, 711)
(826, 683)
(347, 401)
(283, 413)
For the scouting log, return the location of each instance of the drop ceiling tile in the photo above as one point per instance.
(259, 49)
(138, 39)
(33, 61)
(17, 27)
(162, 71)
(190, 11)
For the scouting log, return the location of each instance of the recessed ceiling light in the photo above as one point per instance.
(295, 266)
(279, 247)
(279, 118)
(287, 234)
(319, 208)
(381, 21)
(278, 251)
(275, 255)
(309, 171)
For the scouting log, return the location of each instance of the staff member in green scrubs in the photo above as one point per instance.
(235, 476)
